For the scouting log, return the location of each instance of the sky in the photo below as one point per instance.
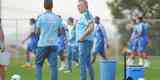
(66, 8)
(22, 10)
(25, 9)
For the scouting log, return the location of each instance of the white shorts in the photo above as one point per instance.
(5, 58)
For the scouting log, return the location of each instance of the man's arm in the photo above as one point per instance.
(27, 37)
(1, 34)
(104, 32)
(37, 26)
(89, 30)
(137, 33)
(105, 36)
(140, 30)
(2, 38)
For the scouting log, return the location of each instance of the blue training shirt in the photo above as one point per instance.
(49, 24)
(100, 32)
(81, 27)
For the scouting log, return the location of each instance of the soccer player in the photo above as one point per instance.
(72, 49)
(101, 43)
(143, 40)
(132, 43)
(62, 41)
(32, 44)
(48, 25)
(84, 36)
(139, 39)
(2, 48)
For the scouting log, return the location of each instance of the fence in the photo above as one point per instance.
(17, 29)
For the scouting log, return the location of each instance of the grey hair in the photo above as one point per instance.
(85, 2)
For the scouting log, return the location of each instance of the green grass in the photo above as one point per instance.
(151, 73)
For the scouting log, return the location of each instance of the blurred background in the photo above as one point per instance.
(115, 15)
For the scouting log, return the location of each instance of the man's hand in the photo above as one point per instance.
(89, 30)
(23, 41)
(93, 60)
(108, 46)
(125, 50)
(81, 39)
(3, 49)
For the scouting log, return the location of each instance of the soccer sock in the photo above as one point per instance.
(62, 64)
(141, 61)
(130, 61)
(146, 63)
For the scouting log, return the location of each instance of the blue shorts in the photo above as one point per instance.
(31, 47)
(46, 52)
(142, 45)
(61, 50)
(133, 45)
(74, 51)
(99, 48)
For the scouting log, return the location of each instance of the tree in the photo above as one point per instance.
(149, 8)
(125, 9)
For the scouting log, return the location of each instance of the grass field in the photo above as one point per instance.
(152, 73)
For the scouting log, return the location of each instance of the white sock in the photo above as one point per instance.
(76, 64)
(146, 63)
(62, 64)
(130, 61)
(141, 62)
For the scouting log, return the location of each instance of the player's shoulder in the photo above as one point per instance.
(41, 15)
(56, 15)
(146, 23)
(48, 13)
(88, 15)
(101, 25)
(135, 27)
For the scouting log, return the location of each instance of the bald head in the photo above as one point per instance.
(82, 5)
(48, 4)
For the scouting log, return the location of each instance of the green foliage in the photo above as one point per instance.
(148, 7)
(150, 10)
